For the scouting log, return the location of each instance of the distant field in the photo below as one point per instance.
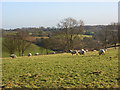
(62, 70)
(81, 36)
(34, 38)
(10, 33)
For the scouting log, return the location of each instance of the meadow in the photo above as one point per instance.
(62, 71)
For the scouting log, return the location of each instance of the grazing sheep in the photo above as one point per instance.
(13, 56)
(82, 52)
(86, 50)
(101, 51)
(105, 49)
(74, 52)
(29, 54)
(36, 54)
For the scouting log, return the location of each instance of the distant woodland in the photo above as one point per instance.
(70, 34)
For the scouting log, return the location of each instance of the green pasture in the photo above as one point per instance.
(62, 71)
(81, 36)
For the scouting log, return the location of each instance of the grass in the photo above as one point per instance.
(81, 36)
(62, 71)
(10, 32)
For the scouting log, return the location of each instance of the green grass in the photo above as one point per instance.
(30, 33)
(10, 33)
(81, 36)
(62, 70)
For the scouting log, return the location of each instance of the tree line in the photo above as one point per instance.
(68, 35)
(16, 43)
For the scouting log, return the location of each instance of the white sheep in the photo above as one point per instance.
(29, 54)
(86, 50)
(13, 56)
(74, 52)
(36, 54)
(101, 51)
(105, 49)
(82, 52)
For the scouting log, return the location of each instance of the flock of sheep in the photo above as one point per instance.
(81, 52)
(29, 54)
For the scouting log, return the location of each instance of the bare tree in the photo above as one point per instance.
(108, 35)
(105, 37)
(45, 43)
(70, 28)
(22, 43)
(10, 44)
(114, 34)
(81, 27)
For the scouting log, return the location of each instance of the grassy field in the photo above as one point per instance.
(81, 36)
(62, 70)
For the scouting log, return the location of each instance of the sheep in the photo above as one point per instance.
(29, 54)
(36, 54)
(105, 49)
(101, 51)
(86, 50)
(74, 52)
(13, 56)
(82, 52)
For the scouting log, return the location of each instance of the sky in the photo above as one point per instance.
(59, 0)
(49, 14)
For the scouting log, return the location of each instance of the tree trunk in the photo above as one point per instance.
(47, 51)
(23, 52)
(19, 53)
(115, 45)
(67, 41)
(71, 42)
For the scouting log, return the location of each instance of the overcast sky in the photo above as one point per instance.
(48, 14)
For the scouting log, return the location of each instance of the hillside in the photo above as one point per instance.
(33, 49)
(62, 71)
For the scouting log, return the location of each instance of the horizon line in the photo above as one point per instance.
(50, 26)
